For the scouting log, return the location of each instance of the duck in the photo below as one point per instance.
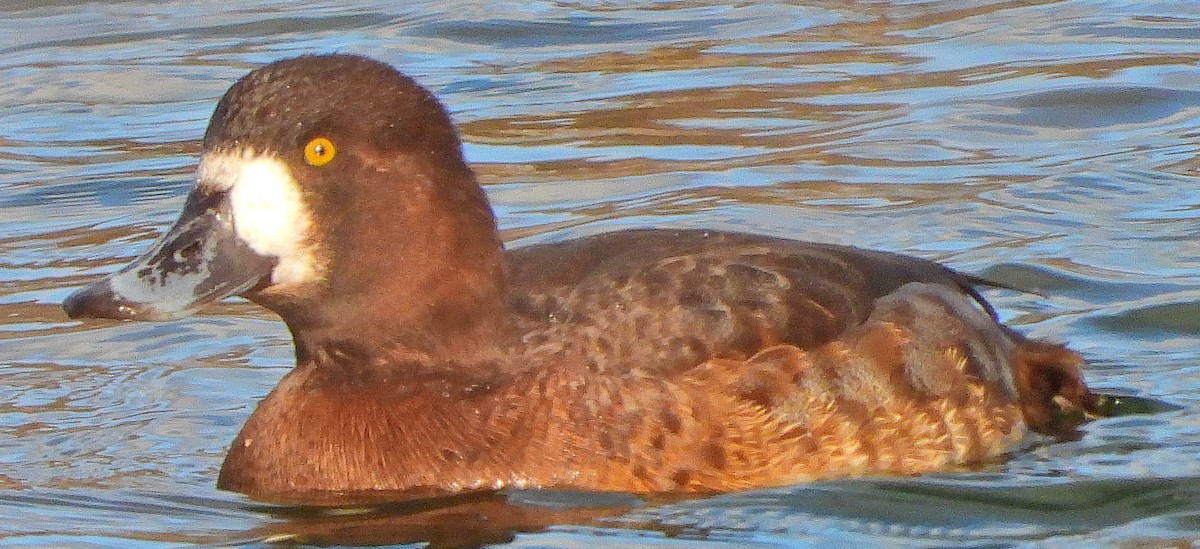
(430, 359)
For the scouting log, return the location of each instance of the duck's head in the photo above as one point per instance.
(332, 190)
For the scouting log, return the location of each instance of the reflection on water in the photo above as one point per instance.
(1050, 146)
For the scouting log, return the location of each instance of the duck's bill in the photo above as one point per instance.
(199, 261)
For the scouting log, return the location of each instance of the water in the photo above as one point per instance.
(1051, 145)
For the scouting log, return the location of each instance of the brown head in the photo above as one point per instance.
(332, 190)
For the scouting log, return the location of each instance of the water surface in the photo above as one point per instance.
(1050, 145)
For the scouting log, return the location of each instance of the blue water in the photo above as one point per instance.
(1049, 145)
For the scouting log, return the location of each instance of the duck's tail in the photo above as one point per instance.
(1052, 393)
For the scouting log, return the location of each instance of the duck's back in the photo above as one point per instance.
(663, 300)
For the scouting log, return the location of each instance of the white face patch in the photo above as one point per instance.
(269, 213)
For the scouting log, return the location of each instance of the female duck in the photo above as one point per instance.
(333, 190)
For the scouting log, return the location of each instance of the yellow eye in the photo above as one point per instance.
(319, 151)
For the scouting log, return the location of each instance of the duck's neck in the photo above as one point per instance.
(426, 282)
(439, 328)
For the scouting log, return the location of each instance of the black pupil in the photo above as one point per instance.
(319, 149)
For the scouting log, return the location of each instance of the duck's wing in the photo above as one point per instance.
(660, 303)
(727, 294)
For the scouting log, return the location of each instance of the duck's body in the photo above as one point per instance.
(666, 361)
(428, 358)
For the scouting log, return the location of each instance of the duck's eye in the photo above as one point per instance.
(319, 151)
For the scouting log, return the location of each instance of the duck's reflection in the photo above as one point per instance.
(456, 521)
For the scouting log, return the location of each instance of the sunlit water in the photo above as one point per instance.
(1048, 145)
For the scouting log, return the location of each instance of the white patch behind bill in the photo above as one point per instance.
(269, 213)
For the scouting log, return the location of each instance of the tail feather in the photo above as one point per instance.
(1050, 386)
